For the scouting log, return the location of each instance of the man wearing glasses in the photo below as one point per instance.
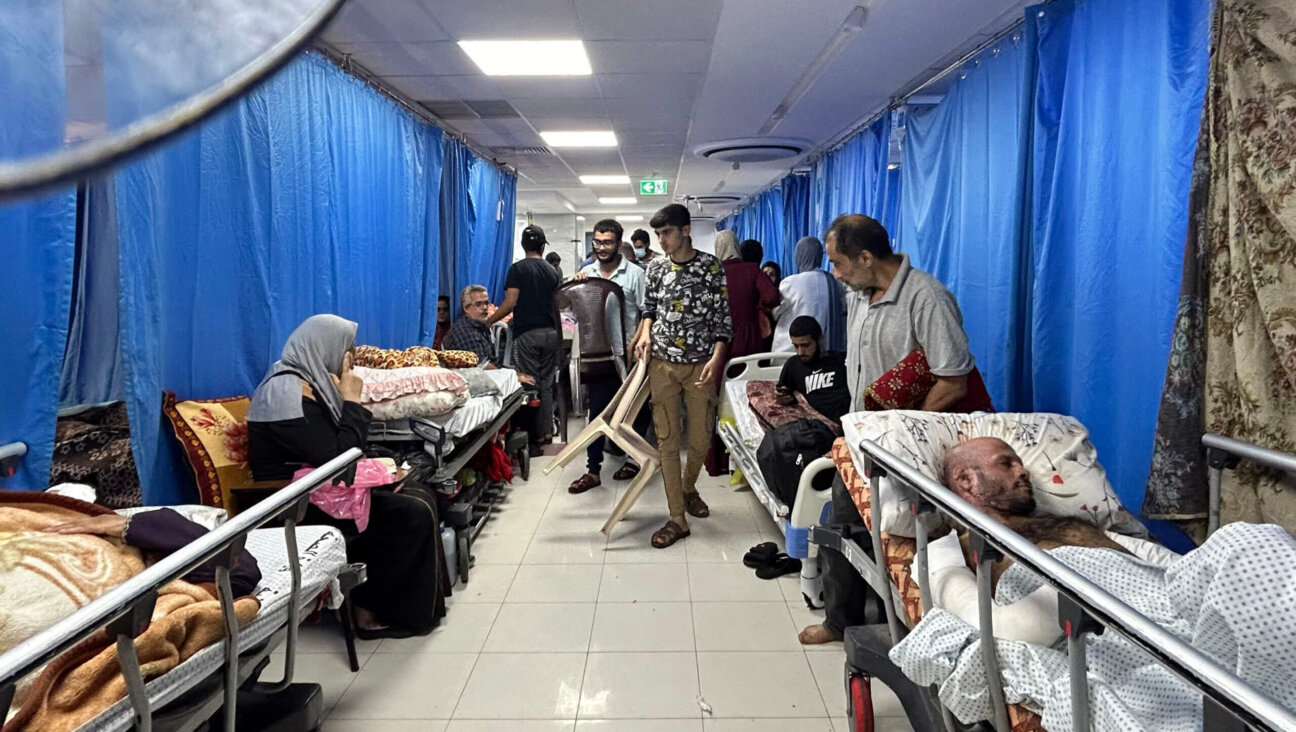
(470, 332)
(601, 386)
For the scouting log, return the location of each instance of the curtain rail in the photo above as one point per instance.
(1196, 668)
(896, 102)
(109, 607)
(347, 63)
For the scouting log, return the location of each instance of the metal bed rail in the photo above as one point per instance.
(126, 609)
(1224, 453)
(1229, 703)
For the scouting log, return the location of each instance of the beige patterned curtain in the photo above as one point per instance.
(1246, 230)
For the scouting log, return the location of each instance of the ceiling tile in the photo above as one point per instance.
(482, 20)
(550, 87)
(542, 107)
(593, 160)
(667, 20)
(383, 21)
(545, 124)
(680, 88)
(410, 59)
(637, 138)
(649, 57)
(659, 122)
(421, 88)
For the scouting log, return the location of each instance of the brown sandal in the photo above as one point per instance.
(668, 534)
(695, 506)
(584, 483)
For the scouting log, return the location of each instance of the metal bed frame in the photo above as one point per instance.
(125, 610)
(469, 513)
(811, 507)
(1229, 703)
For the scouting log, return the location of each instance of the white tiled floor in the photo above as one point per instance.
(562, 630)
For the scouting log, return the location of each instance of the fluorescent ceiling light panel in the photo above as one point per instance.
(605, 180)
(529, 58)
(619, 201)
(582, 138)
(629, 218)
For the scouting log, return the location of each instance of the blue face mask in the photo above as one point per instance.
(641, 253)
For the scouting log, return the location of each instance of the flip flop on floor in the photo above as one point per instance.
(781, 565)
(760, 555)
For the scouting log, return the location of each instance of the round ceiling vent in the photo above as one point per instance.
(753, 149)
(716, 200)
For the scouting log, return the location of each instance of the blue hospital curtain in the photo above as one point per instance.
(1116, 114)
(457, 219)
(309, 195)
(37, 238)
(961, 212)
(796, 219)
(853, 178)
(491, 252)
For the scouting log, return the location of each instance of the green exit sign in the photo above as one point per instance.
(652, 187)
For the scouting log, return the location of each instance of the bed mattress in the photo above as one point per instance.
(749, 427)
(323, 556)
(476, 412)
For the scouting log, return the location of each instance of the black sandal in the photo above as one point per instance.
(584, 483)
(781, 565)
(695, 506)
(760, 555)
(626, 472)
(668, 535)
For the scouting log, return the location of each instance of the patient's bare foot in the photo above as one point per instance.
(817, 635)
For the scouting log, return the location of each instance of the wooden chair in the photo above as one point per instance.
(616, 424)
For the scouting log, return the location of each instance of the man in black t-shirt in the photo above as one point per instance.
(821, 377)
(528, 295)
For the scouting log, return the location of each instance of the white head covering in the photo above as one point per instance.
(314, 353)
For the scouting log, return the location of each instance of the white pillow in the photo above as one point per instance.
(1064, 467)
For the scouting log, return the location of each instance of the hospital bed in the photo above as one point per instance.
(1230, 704)
(741, 433)
(296, 562)
(441, 446)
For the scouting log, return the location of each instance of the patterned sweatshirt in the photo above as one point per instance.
(689, 306)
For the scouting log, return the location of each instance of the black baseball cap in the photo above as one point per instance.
(533, 235)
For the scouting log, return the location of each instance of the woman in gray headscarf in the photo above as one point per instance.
(814, 292)
(306, 412)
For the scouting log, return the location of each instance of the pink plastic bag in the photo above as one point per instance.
(342, 501)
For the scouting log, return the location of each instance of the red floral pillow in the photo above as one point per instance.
(905, 385)
(214, 436)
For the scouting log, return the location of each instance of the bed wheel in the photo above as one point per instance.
(465, 560)
(860, 703)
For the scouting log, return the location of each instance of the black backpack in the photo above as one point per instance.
(786, 450)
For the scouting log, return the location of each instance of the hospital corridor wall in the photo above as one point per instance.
(1048, 188)
(312, 193)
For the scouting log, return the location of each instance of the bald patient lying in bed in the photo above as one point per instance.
(989, 474)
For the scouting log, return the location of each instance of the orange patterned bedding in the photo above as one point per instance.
(899, 552)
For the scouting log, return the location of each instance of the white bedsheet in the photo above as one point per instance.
(506, 379)
(748, 425)
(323, 556)
(477, 412)
(1233, 598)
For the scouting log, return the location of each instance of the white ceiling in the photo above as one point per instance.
(669, 75)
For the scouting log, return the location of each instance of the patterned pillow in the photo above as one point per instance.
(420, 356)
(1064, 467)
(213, 434)
(385, 384)
(905, 385)
(457, 359)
